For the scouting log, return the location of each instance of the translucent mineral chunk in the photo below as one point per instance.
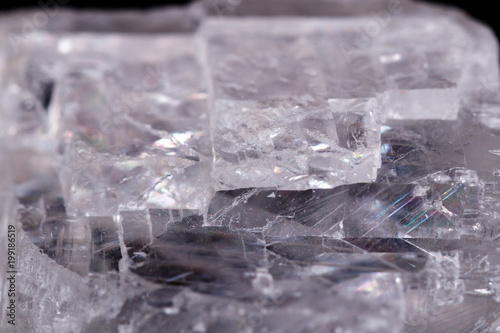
(432, 208)
(421, 104)
(142, 140)
(281, 166)
(294, 146)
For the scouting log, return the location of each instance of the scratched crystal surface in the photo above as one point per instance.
(252, 166)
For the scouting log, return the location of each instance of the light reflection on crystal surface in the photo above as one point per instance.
(256, 173)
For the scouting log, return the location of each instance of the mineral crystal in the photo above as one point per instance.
(250, 166)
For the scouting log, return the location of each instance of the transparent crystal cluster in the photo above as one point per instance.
(252, 166)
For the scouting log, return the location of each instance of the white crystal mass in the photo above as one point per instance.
(251, 166)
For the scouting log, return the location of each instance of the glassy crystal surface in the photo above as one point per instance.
(251, 166)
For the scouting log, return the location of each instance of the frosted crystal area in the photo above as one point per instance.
(251, 166)
(294, 145)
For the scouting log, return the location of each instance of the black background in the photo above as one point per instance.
(484, 11)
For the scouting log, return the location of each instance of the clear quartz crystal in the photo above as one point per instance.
(251, 166)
